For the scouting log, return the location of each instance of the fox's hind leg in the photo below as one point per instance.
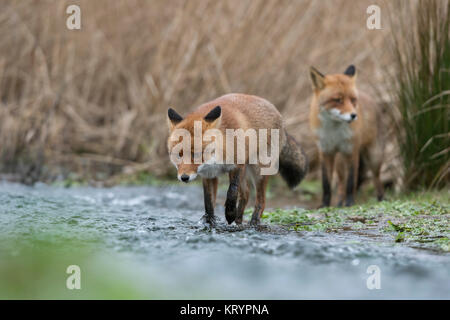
(209, 195)
(374, 157)
(261, 185)
(244, 193)
(232, 195)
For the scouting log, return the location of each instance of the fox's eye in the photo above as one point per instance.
(353, 100)
(337, 100)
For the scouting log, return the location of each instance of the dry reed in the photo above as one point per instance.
(94, 100)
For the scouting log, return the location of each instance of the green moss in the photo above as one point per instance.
(417, 219)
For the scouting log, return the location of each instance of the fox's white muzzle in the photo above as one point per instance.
(187, 177)
(347, 117)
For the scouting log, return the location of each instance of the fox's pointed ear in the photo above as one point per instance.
(351, 71)
(317, 78)
(214, 117)
(173, 118)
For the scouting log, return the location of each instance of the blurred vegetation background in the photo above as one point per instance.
(93, 101)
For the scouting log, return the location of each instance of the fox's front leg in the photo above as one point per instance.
(232, 194)
(327, 176)
(209, 195)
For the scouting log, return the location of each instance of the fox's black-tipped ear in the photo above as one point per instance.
(173, 118)
(351, 71)
(214, 117)
(214, 114)
(317, 78)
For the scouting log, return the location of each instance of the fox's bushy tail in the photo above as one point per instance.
(293, 162)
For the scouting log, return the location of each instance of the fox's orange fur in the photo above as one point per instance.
(346, 125)
(237, 111)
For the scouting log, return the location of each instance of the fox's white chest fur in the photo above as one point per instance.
(334, 135)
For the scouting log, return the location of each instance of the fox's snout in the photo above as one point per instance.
(183, 177)
(350, 117)
(187, 172)
(344, 116)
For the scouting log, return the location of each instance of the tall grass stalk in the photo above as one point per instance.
(421, 92)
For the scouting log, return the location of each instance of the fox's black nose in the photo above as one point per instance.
(184, 178)
(353, 115)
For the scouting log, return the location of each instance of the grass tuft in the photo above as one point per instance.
(419, 220)
(421, 92)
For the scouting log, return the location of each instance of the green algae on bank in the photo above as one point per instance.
(422, 222)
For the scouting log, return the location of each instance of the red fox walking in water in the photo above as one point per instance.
(246, 117)
(346, 124)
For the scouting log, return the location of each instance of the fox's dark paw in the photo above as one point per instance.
(323, 206)
(230, 216)
(209, 221)
(254, 222)
(230, 211)
(381, 198)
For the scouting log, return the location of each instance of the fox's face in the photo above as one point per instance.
(336, 94)
(182, 131)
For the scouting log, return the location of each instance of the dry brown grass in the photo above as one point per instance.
(96, 99)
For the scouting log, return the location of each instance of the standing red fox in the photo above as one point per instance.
(258, 125)
(346, 124)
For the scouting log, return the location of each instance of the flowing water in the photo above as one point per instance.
(155, 235)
